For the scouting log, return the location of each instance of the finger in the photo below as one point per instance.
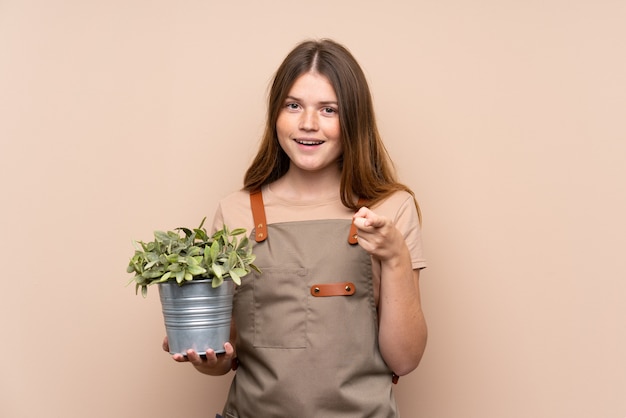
(165, 345)
(369, 223)
(178, 357)
(360, 222)
(194, 358)
(371, 220)
(230, 350)
(361, 212)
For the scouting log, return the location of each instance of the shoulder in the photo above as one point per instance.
(236, 199)
(234, 211)
(396, 206)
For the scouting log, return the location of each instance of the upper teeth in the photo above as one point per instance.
(309, 142)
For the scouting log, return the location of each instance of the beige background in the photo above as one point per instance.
(506, 117)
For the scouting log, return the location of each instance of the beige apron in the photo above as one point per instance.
(307, 327)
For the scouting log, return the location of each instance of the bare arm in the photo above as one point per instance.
(402, 327)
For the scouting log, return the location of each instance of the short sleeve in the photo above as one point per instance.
(403, 212)
(400, 208)
(218, 219)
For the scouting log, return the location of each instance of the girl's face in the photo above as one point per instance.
(308, 125)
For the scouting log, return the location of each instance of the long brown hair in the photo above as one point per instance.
(366, 169)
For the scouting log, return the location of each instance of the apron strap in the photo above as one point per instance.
(258, 214)
(352, 236)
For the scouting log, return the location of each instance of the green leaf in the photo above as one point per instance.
(201, 234)
(196, 270)
(193, 251)
(232, 260)
(241, 272)
(215, 249)
(174, 267)
(161, 236)
(152, 274)
(161, 280)
(218, 270)
(235, 277)
(243, 243)
(151, 264)
(151, 256)
(187, 231)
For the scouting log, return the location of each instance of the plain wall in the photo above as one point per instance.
(505, 117)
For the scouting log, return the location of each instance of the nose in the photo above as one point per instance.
(308, 121)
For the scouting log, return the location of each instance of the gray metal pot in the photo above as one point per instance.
(196, 315)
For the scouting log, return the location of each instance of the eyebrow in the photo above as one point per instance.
(324, 102)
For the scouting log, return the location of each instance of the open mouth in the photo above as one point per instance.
(308, 142)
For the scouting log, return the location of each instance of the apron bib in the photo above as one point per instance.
(307, 328)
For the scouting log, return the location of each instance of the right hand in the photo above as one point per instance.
(212, 364)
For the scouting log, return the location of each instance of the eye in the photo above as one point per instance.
(329, 110)
(292, 106)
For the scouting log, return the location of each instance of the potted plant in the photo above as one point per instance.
(196, 274)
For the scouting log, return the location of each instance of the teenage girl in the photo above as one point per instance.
(335, 316)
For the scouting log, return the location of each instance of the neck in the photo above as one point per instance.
(303, 185)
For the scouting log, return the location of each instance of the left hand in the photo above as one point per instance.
(378, 235)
